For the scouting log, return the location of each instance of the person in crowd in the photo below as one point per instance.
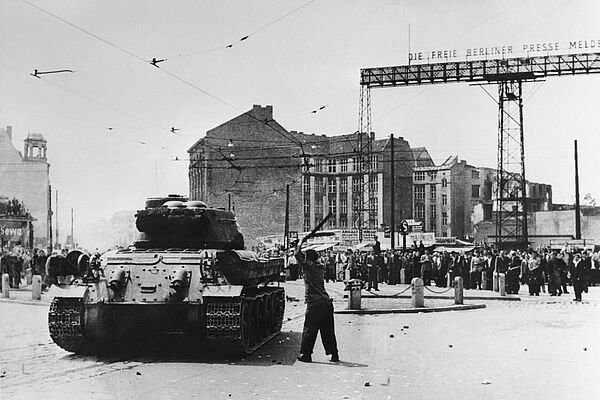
(444, 269)
(416, 266)
(426, 268)
(351, 266)
(577, 276)
(319, 307)
(372, 263)
(476, 267)
(513, 274)
(565, 274)
(555, 267)
(15, 263)
(534, 274)
(587, 267)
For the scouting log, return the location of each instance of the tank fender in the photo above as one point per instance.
(222, 291)
(70, 291)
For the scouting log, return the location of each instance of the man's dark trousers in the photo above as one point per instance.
(319, 317)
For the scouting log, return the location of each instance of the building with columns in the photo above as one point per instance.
(26, 178)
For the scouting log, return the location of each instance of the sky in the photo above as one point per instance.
(108, 124)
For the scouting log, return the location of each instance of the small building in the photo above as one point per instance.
(26, 178)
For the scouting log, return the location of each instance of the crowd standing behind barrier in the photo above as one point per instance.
(541, 270)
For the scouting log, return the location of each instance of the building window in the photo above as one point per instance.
(374, 184)
(307, 226)
(332, 206)
(420, 212)
(318, 165)
(432, 213)
(343, 185)
(318, 184)
(306, 205)
(475, 191)
(419, 175)
(474, 174)
(419, 192)
(374, 162)
(444, 199)
(306, 184)
(354, 164)
(331, 166)
(444, 218)
(343, 221)
(432, 192)
(332, 185)
(344, 165)
(343, 205)
(357, 184)
(432, 175)
(444, 182)
(356, 205)
(318, 208)
(374, 207)
(305, 164)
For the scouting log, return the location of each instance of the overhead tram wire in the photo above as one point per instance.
(172, 75)
(245, 37)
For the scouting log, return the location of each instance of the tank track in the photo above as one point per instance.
(65, 323)
(243, 324)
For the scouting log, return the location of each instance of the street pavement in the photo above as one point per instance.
(540, 348)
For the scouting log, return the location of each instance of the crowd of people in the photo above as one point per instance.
(542, 269)
(21, 264)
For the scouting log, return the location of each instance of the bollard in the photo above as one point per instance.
(36, 287)
(458, 290)
(495, 281)
(484, 280)
(502, 284)
(354, 297)
(402, 276)
(418, 293)
(5, 286)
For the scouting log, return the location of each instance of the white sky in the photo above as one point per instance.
(307, 59)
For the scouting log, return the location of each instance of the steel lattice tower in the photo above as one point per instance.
(509, 74)
(366, 201)
(511, 186)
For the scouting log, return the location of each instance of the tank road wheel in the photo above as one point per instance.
(65, 323)
(246, 328)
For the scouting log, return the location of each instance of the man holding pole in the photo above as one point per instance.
(319, 306)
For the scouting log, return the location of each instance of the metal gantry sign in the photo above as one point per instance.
(509, 74)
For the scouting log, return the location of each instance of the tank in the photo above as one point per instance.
(188, 275)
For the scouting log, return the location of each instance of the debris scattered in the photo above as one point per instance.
(486, 383)
(391, 336)
(525, 349)
(450, 345)
(405, 326)
(585, 349)
(367, 384)
(138, 373)
(3, 374)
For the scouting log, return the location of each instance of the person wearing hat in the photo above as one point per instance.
(319, 307)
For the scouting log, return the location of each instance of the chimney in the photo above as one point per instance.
(9, 132)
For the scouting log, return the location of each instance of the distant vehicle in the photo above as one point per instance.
(189, 275)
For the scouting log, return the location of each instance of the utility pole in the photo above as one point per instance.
(286, 229)
(229, 201)
(577, 207)
(72, 237)
(56, 219)
(392, 190)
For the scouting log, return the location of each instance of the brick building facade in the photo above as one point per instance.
(26, 177)
(248, 162)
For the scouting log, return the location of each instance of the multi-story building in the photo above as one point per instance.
(454, 198)
(249, 162)
(25, 177)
